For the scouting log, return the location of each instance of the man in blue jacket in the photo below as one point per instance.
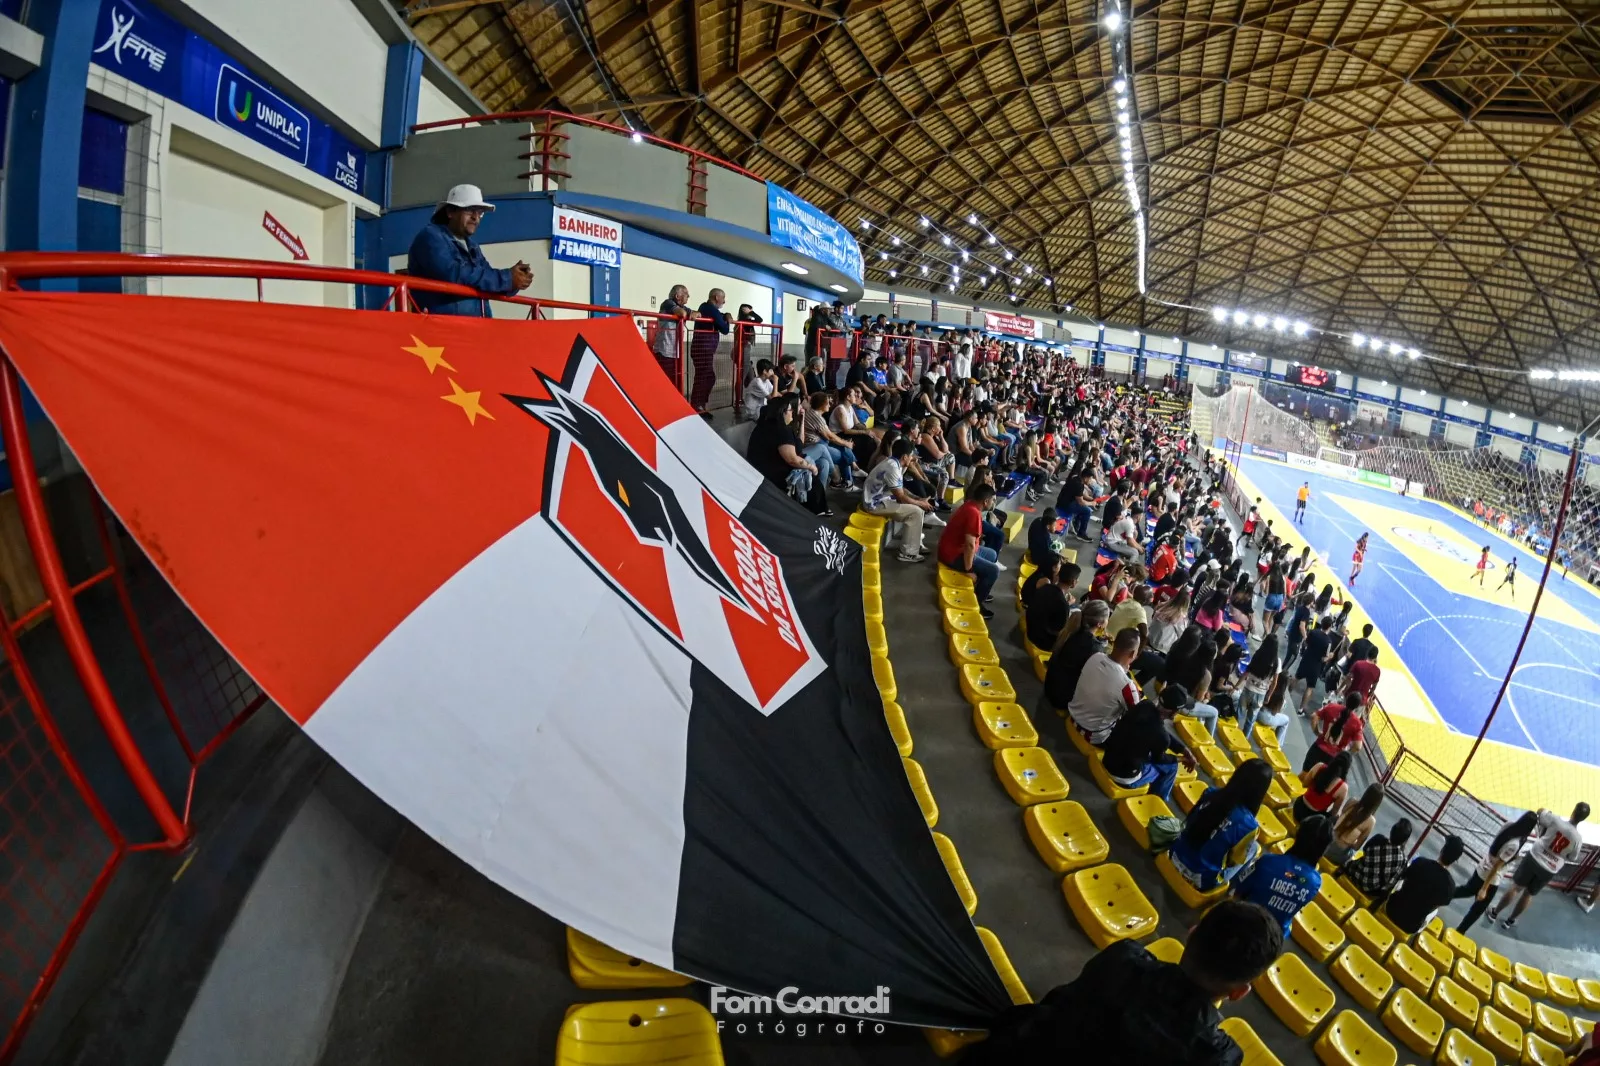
(445, 251)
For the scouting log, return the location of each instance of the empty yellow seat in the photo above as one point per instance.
(1350, 1041)
(1002, 966)
(1271, 829)
(1135, 813)
(1362, 976)
(959, 599)
(871, 577)
(1384, 920)
(1537, 1051)
(1167, 949)
(1459, 1049)
(596, 965)
(1335, 900)
(1499, 1034)
(1098, 771)
(1064, 835)
(1582, 1027)
(1232, 737)
(1277, 760)
(1435, 926)
(1213, 761)
(1277, 798)
(1029, 775)
(864, 537)
(621, 1032)
(953, 579)
(1255, 1051)
(1362, 928)
(1529, 979)
(1589, 992)
(1189, 793)
(959, 621)
(1290, 784)
(1313, 930)
(883, 674)
(1041, 662)
(1458, 1006)
(1513, 1003)
(1498, 965)
(1562, 990)
(1432, 948)
(1461, 944)
(980, 683)
(896, 717)
(1191, 896)
(972, 648)
(1414, 971)
(1003, 725)
(1013, 526)
(1265, 737)
(1474, 980)
(1295, 994)
(1553, 1025)
(920, 789)
(872, 605)
(1108, 905)
(877, 638)
(1355, 893)
(958, 873)
(1191, 731)
(1025, 569)
(1418, 1025)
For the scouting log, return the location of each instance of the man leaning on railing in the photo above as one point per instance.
(445, 251)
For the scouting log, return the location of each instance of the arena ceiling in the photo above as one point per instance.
(1423, 171)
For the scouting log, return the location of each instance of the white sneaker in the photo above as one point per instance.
(931, 519)
(851, 486)
(1000, 566)
(911, 557)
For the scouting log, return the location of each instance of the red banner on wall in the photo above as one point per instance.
(1016, 325)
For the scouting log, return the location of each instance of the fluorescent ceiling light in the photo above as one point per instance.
(836, 287)
(794, 268)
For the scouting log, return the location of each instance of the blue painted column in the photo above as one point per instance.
(1224, 378)
(1182, 371)
(47, 133)
(402, 87)
(605, 286)
(1140, 359)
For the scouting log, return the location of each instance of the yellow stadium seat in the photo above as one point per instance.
(1167, 949)
(1213, 761)
(869, 553)
(1414, 971)
(1272, 830)
(1003, 725)
(959, 599)
(1232, 737)
(1529, 979)
(1108, 905)
(1459, 1049)
(1013, 526)
(871, 578)
(1030, 775)
(979, 683)
(866, 520)
(1282, 847)
(1255, 1051)
(877, 638)
(595, 965)
(1098, 772)
(1335, 900)
(1290, 784)
(1041, 662)
(953, 579)
(1277, 760)
(972, 648)
(1499, 1034)
(864, 537)
(1461, 944)
(1435, 927)
(1277, 798)
(872, 605)
(1265, 736)
(1474, 980)
(1350, 1041)
(898, 729)
(958, 874)
(1188, 794)
(1418, 1025)
(1362, 928)
(1314, 931)
(1537, 1051)
(1191, 896)
(1191, 731)
(1563, 990)
(958, 621)
(1513, 1003)
(1553, 1025)
(1458, 1006)
(1064, 835)
(621, 1032)
(1394, 930)
(1025, 569)
(1135, 813)
(1079, 741)
(1582, 1027)
(946, 1042)
(1589, 992)
(1432, 948)
(1498, 965)
(1364, 977)
(883, 674)
(1288, 819)
(920, 789)
(1002, 966)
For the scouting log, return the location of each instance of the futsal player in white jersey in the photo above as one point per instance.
(1555, 841)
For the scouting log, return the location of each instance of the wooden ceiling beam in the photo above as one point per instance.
(612, 35)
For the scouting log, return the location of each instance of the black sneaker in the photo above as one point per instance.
(984, 611)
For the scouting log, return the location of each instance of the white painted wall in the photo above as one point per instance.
(1118, 362)
(1420, 397)
(1368, 387)
(1463, 409)
(1205, 353)
(1087, 331)
(1122, 336)
(1415, 423)
(1465, 436)
(1280, 367)
(1160, 342)
(646, 282)
(1371, 412)
(1501, 420)
(1506, 446)
(1156, 369)
(1551, 460)
(1341, 379)
(1556, 434)
(434, 106)
(1202, 377)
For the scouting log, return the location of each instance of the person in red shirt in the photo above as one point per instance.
(1164, 563)
(1363, 676)
(961, 547)
(1339, 728)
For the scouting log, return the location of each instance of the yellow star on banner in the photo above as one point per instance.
(468, 402)
(430, 356)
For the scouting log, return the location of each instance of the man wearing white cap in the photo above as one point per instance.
(445, 251)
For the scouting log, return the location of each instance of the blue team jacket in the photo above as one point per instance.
(435, 254)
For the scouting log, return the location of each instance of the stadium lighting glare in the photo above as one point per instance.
(638, 138)
(945, 239)
(865, 224)
(1120, 86)
(1412, 353)
(883, 255)
(1358, 340)
(991, 239)
(972, 220)
(952, 288)
(1113, 20)
(1219, 314)
(924, 268)
(836, 287)
(1008, 257)
(924, 221)
(1375, 344)
(1048, 282)
(1258, 320)
(895, 241)
(894, 274)
(1301, 328)
(1564, 375)
(1394, 349)
(794, 268)
(1280, 324)
(1240, 318)
(963, 255)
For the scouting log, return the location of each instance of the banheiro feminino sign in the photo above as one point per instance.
(576, 237)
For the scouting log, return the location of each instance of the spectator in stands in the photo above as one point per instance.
(790, 380)
(1363, 675)
(1189, 664)
(1285, 883)
(1326, 788)
(1425, 887)
(1355, 825)
(1076, 503)
(1128, 1007)
(1363, 644)
(841, 455)
(1555, 840)
(1133, 612)
(746, 339)
(1042, 537)
(669, 329)
(1168, 620)
(850, 425)
(1081, 638)
(816, 380)
(760, 388)
(961, 545)
(885, 494)
(1219, 839)
(1047, 600)
(1258, 675)
(1339, 728)
(774, 450)
(445, 251)
(710, 323)
(1105, 691)
(1313, 662)
(1381, 864)
(1122, 536)
(1494, 869)
(1141, 750)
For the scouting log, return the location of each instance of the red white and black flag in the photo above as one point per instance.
(502, 574)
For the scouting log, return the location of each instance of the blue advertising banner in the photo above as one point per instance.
(794, 223)
(576, 237)
(148, 48)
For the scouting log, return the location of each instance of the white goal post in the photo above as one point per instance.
(1336, 456)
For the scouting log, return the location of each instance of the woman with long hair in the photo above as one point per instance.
(1272, 608)
(1194, 673)
(1258, 675)
(1213, 604)
(1219, 838)
(1326, 788)
(1497, 864)
(1339, 728)
(1168, 621)
(1355, 825)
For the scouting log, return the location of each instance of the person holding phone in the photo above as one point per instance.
(444, 250)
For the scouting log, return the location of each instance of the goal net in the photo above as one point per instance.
(1337, 456)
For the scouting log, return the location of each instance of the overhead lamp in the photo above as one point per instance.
(952, 288)
(1008, 257)
(946, 239)
(794, 268)
(1027, 269)
(1561, 429)
(1120, 86)
(638, 138)
(1300, 328)
(1395, 349)
(1113, 20)
(836, 287)
(972, 220)
(924, 221)
(963, 255)
(1258, 320)
(895, 241)
(923, 268)
(1358, 340)
(1240, 318)
(1220, 314)
(1422, 392)
(1048, 283)
(1280, 324)
(1385, 384)
(883, 255)
(894, 273)
(865, 224)
(991, 239)
(1412, 353)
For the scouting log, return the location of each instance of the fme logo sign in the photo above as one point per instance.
(261, 114)
(122, 43)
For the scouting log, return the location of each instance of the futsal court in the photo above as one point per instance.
(1446, 640)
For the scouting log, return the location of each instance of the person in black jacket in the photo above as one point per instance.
(1129, 1007)
(1425, 887)
(1142, 751)
(1078, 643)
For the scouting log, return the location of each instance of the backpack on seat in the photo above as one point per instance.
(1163, 830)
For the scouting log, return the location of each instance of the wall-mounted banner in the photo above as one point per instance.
(296, 246)
(1012, 325)
(576, 237)
(793, 223)
(142, 44)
